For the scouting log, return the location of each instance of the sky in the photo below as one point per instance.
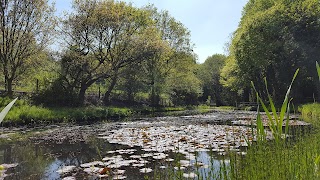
(211, 22)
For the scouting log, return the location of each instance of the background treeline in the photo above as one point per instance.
(112, 53)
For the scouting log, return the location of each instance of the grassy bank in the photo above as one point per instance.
(23, 113)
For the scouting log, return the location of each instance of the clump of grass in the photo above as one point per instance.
(311, 113)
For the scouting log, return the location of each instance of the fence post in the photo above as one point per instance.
(37, 85)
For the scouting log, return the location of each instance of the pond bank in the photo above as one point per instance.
(24, 114)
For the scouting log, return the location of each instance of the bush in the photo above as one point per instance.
(311, 112)
(58, 94)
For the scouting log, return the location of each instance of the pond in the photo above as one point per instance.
(147, 148)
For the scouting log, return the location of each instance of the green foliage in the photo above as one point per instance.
(272, 36)
(182, 84)
(24, 114)
(210, 74)
(208, 101)
(117, 35)
(43, 72)
(58, 93)
(169, 64)
(275, 120)
(279, 162)
(26, 27)
(311, 112)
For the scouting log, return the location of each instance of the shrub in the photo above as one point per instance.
(58, 94)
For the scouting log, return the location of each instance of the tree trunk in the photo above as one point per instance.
(155, 97)
(9, 87)
(317, 98)
(82, 93)
(246, 94)
(106, 99)
(218, 98)
(130, 95)
(84, 86)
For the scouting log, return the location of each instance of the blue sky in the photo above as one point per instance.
(211, 22)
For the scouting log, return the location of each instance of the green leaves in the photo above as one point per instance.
(275, 120)
(274, 35)
(5, 111)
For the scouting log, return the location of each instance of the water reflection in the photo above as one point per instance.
(30, 157)
(42, 160)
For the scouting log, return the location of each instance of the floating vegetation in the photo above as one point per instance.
(189, 175)
(69, 178)
(92, 170)
(183, 139)
(66, 169)
(156, 138)
(161, 146)
(119, 177)
(94, 163)
(145, 170)
(4, 168)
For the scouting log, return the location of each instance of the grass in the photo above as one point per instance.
(24, 114)
(293, 158)
(271, 161)
(310, 112)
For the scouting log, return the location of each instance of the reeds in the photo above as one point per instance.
(275, 120)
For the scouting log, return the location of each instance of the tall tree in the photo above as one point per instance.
(209, 73)
(177, 37)
(274, 38)
(183, 86)
(25, 30)
(107, 36)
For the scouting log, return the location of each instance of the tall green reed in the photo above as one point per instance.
(275, 119)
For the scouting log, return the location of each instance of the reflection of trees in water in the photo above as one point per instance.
(30, 157)
(42, 160)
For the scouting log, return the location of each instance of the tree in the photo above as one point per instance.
(209, 73)
(182, 84)
(43, 72)
(107, 36)
(25, 30)
(132, 82)
(274, 38)
(157, 68)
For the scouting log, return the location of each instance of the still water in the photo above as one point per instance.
(43, 160)
(157, 148)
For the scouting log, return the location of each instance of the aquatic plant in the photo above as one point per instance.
(275, 120)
